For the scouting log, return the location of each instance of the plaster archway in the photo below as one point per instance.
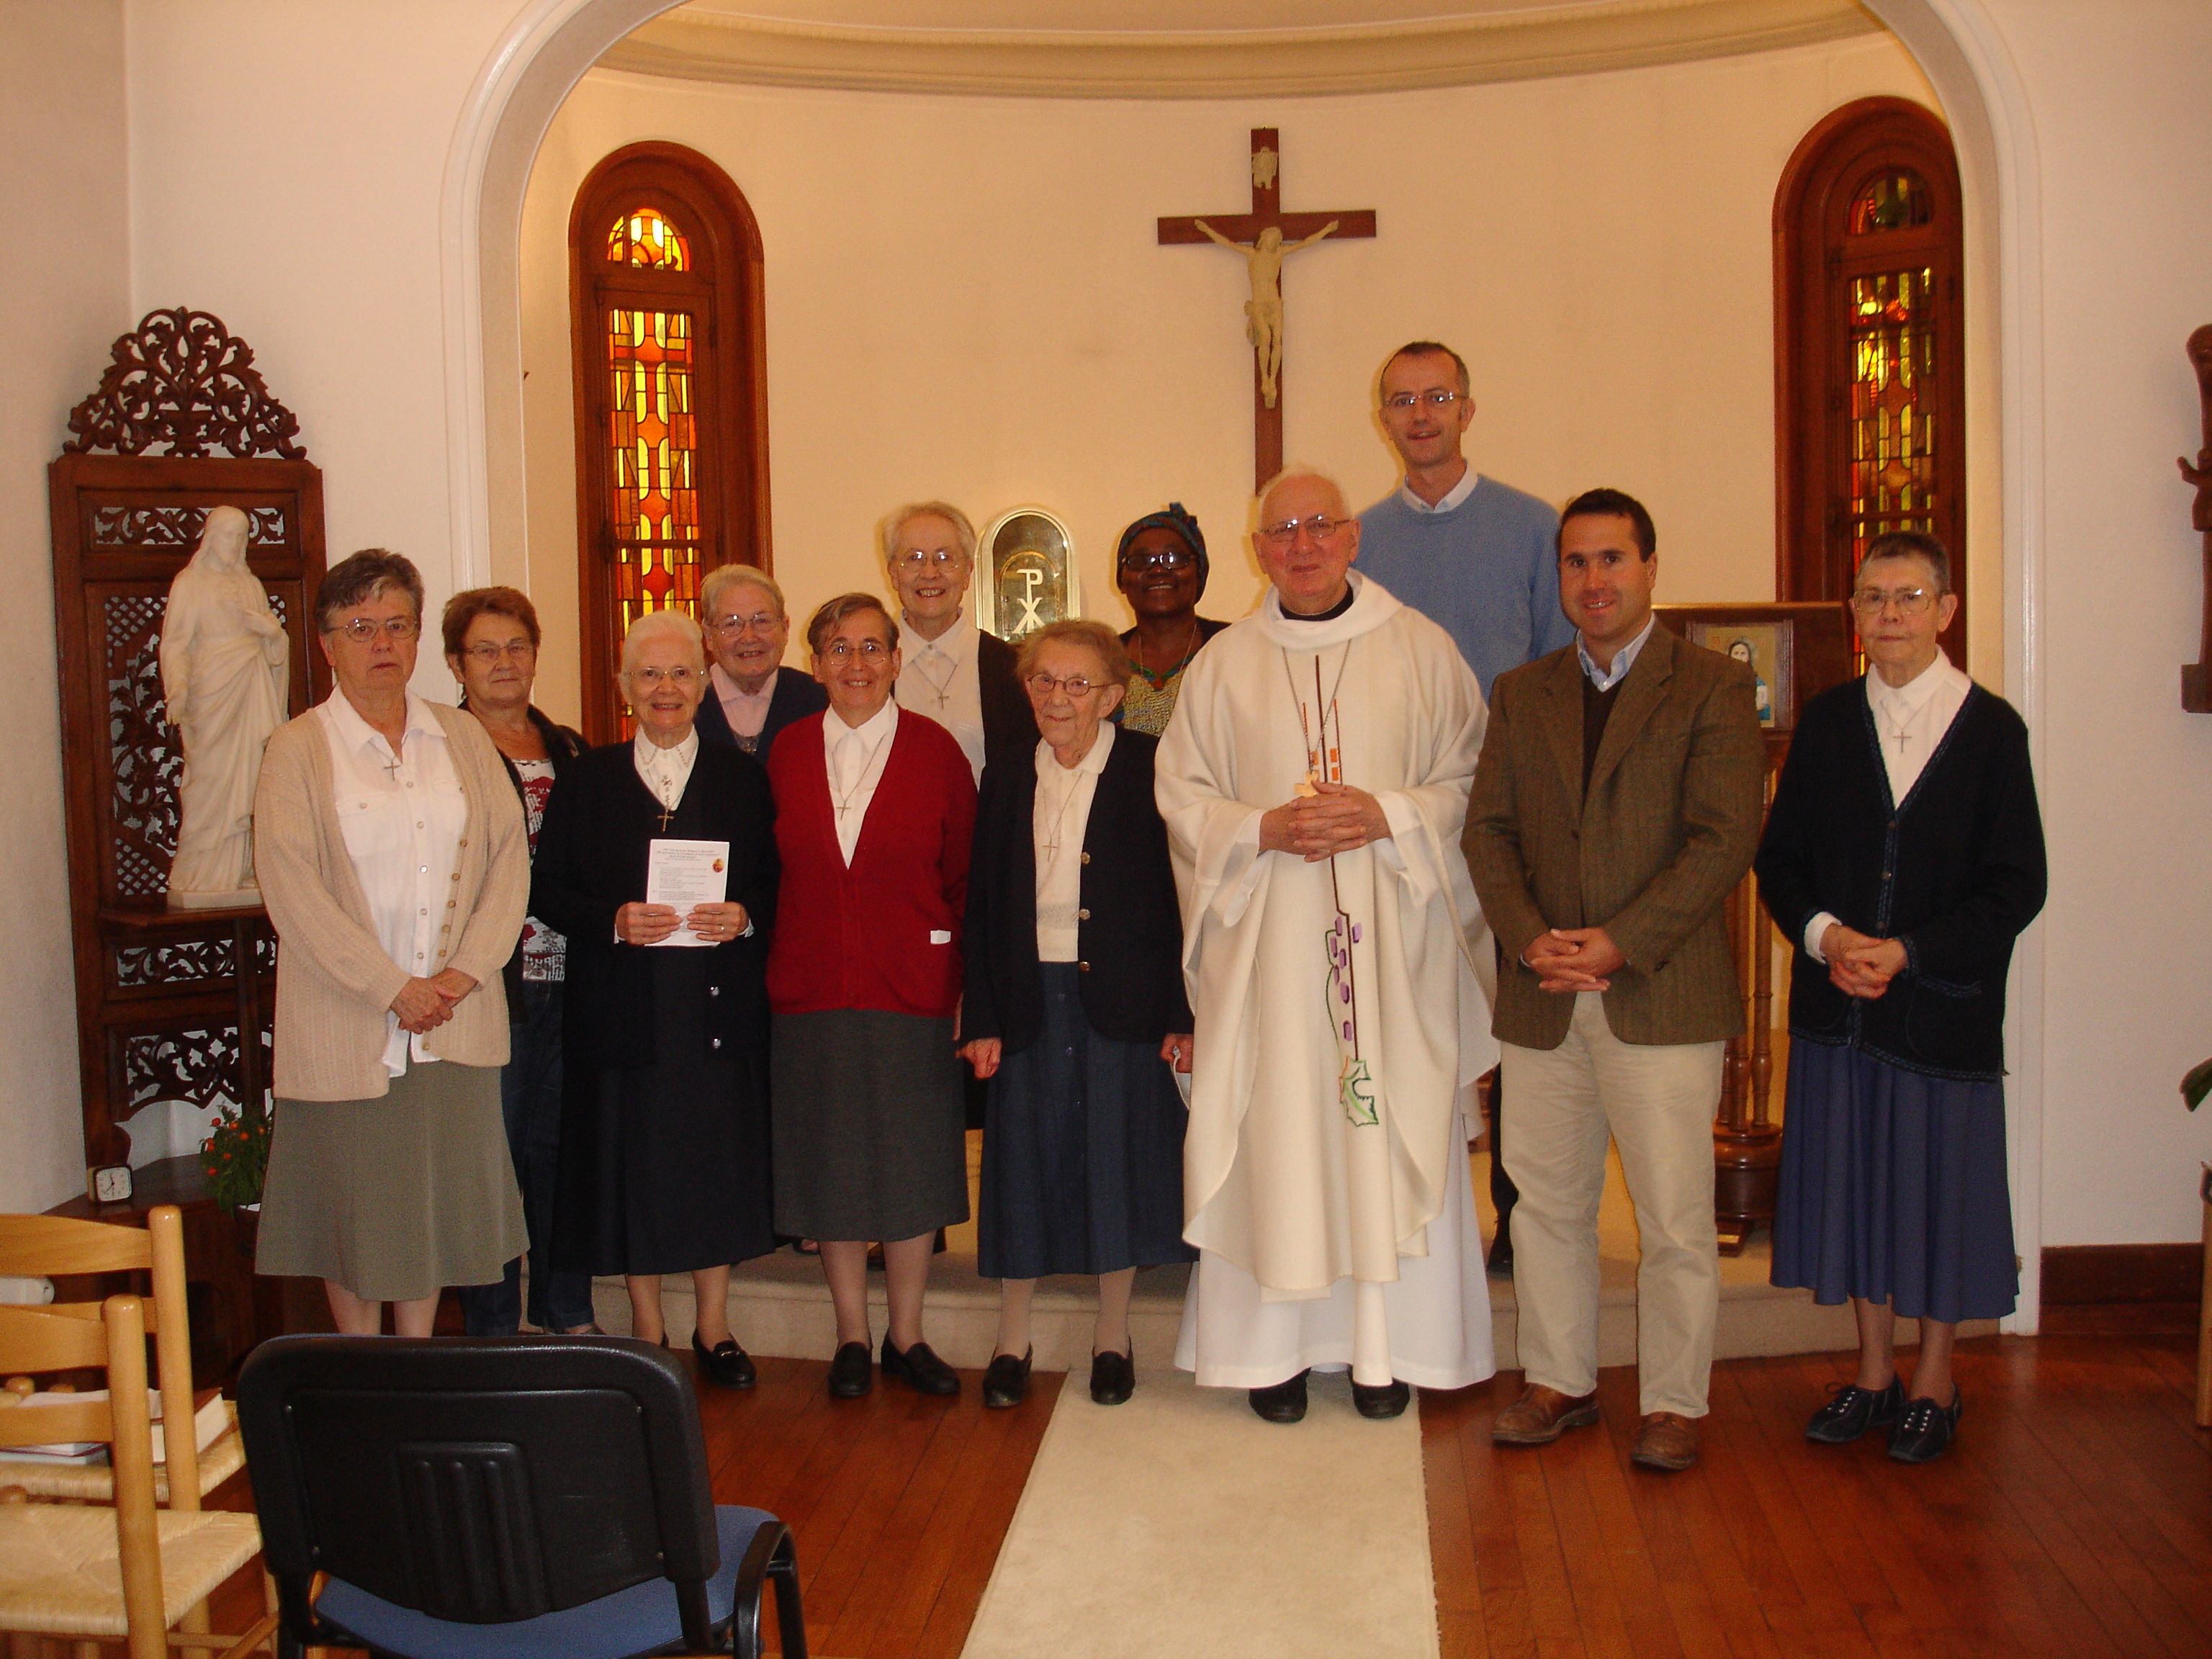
(552, 43)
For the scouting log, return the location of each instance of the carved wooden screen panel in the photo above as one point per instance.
(161, 998)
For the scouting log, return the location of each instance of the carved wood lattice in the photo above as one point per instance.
(181, 384)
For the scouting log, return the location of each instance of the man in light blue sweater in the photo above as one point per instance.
(1479, 557)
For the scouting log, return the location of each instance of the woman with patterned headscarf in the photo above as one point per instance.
(1160, 567)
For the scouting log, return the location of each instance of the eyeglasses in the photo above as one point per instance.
(361, 629)
(1320, 525)
(1163, 558)
(676, 677)
(731, 628)
(868, 651)
(1043, 685)
(1910, 601)
(1403, 401)
(520, 650)
(915, 559)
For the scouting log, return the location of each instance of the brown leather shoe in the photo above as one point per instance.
(1668, 1440)
(1540, 1415)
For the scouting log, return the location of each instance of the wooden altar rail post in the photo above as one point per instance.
(1747, 1142)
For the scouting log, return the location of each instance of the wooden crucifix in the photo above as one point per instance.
(1265, 236)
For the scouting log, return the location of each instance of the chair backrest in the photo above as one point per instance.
(41, 1246)
(478, 1480)
(36, 1340)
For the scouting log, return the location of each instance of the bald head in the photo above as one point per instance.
(1306, 539)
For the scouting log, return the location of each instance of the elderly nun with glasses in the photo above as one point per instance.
(1161, 568)
(393, 859)
(1903, 856)
(1075, 1010)
(664, 1164)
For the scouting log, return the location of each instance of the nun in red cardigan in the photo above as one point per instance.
(874, 809)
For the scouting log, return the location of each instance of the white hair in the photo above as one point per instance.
(1295, 470)
(661, 624)
(724, 577)
(963, 531)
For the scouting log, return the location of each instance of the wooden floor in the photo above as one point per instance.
(2074, 1516)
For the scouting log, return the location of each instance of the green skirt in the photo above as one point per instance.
(397, 1197)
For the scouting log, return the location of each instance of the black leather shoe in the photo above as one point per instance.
(1924, 1433)
(851, 1375)
(724, 1362)
(1852, 1410)
(919, 1370)
(1390, 1400)
(1007, 1382)
(1284, 1403)
(1113, 1377)
(1500, 1264)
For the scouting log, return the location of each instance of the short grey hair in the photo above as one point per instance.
(962, 530)
(724, 577)
(360, 577)
(1094, 637)
(831, 614)
(1295, 470)
(1913, 545)
(663, 624)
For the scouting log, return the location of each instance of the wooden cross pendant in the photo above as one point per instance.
(1265, 236)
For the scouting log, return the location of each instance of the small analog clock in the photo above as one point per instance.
(110, 1183)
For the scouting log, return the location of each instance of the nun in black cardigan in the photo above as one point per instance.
(1074, 1009)
(1901, 905)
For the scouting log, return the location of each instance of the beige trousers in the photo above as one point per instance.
(1657, 1104)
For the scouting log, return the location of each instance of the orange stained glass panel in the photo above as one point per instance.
(1893, 434)
(1892, 201)
(652, 440)
(642, 237)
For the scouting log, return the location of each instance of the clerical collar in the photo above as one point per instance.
(1329, 615)
(1623, 659)
(1450, 501)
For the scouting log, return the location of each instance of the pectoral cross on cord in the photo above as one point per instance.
(666, 813)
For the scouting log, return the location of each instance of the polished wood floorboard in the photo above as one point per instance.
(2072, 1517)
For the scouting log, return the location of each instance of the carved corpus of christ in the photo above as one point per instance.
(1263, 312)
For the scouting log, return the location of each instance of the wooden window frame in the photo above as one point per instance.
(724, 290)
(1814, 261)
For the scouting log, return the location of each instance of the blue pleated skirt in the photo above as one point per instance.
(1893, 1188)
(1082, 1152)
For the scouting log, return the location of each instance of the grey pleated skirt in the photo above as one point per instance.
(869, 1123)
(397, 1197)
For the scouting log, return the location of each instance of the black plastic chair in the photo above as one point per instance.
(501, 1497)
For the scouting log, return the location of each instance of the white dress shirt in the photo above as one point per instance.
(402, 816)
(746, 711)
(1910, 720)
(856, 755)
(1451, 499)
(1623, 659)
(938, 677)
(664, 772)
(1064, 794)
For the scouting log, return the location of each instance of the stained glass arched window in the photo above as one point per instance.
(672, 426)
(1869, 344)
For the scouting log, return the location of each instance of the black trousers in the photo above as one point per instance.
(1503, 1192)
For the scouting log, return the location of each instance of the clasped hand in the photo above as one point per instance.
(1336, 818)
(1574, 959)
(1860, 965)
(649, 924)
(424, 1005)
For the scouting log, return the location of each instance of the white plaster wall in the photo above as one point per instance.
(63, 273)
(2123, 127)
(965, 299)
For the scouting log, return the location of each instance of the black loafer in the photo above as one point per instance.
(851, 1375)
(1390, 1400)
(1284, 1403)
(1007, 1382)
(1924, 1433)
(1113, 1377)
(1852, 1410)
(919, 1370)
(724, 1362)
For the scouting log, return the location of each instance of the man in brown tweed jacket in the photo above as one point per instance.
(1616, 806)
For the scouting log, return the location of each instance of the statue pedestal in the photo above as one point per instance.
(237, 898)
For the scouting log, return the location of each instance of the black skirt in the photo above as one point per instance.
(1082, 1152)
(664, 1167)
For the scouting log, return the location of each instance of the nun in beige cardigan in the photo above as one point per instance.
(395, 865)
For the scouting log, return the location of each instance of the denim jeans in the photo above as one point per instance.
(530, 1095)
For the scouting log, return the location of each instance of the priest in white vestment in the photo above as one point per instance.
(1314, 779)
